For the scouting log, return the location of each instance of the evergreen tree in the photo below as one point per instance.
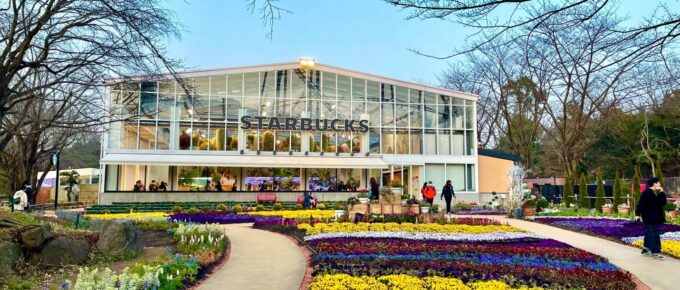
(583, 200)
(599, 194)
(658, 173)
(636, 190)
(617, 192)
(568, 192)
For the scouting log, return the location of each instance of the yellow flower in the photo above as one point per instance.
(405, 282)
(439, 283)
(668, 247)
(138, 216)
(401, 282)
(404, 227)
(297, 214)
(490, 285)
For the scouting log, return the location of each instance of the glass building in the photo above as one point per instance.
(225, 134)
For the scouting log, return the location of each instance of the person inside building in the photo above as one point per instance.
(448, 194)
(139, 186)
(163, 186)
(375, 189)
(651, 209)
(20, 199)
(153, 186)
(208, 186)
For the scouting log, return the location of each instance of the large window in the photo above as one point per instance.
(205, 117)
(258, 179)
(321, 179)
(286, 179)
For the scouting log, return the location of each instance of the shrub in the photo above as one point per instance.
(193, 210)
(237, 209)
(321, 206)
(278, 206)
(617, 192)
(636, 189)
(221, 207)
(568, 192)
(106, 211)
(298, 206)
(362, 195)
(259, 207)
(206, 209)
(583, 198)
(542, 203)
(177, 209)
(670, 206)
(531, 203)
(599, 194)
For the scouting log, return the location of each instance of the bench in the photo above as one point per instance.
(266, 197)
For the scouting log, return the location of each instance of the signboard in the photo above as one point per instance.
(304, 124)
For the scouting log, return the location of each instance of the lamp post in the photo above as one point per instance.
(54, 159)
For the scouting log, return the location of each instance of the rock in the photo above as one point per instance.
(34, 236)
(9, 255)
(119, 238)
(66, 251)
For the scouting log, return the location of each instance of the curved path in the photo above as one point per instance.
(656, 274)
(259, 260)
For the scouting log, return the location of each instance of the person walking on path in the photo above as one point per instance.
(20, 200)
(650, 208)
(430, 193)
(448, 194)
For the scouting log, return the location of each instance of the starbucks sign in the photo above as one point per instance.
(304, 124)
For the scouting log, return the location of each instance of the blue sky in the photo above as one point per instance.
(364, 35)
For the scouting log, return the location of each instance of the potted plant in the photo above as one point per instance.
(435, 208)
(542, 204)
(386, 195)
(607, 208)
(352, 201)
(624, 208)
(670, 209)
(339, 210)
(363, 197)
(425, 207)
(404, 198)
(529, 207)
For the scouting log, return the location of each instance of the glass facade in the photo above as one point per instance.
(163, 117)
(402, 120)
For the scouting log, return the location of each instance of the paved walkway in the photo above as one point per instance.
(657, 274)
(259, 260)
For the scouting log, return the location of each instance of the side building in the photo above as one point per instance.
(285, 128)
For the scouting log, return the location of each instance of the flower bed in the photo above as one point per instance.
(297, 214)
(404, 227)
(619, 229)
(480, 212)
(450, 256)
(139, 216)
(199, 247)
(343, 281)
(218, 218)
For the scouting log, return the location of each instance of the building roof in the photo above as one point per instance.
(326, 68)
(497, 154)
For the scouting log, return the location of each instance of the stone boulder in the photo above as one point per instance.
(119, 238)
(9, 255)
(35, 236)
(65, 251)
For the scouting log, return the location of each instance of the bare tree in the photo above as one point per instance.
(585, 74)
(493, 19)
(76, 43)
(484, 73)
(270, 12)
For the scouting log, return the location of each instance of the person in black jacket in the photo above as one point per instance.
(448, 194)
(650, 208)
